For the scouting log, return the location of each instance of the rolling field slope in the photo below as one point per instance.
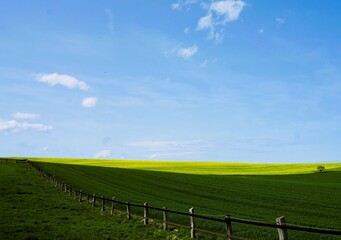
(306, 199)
(31, 208)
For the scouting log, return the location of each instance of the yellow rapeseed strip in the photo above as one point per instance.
(204, 168)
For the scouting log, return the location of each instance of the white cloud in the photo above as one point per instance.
(61, 79)
(216, 37)
(176, 6)
(102, 154)
(218, 14)
(260, 31)
(279, 20)
(172, 155)
(44, 149)
(154, 144)
(6, 125)
(182, 3)
(20, 115)
(170, 148)
(34, 126)
(186, 30)
(229, 9)
(168, 144)
(15, 126)
(205, 22)
(89, 102)
(187, 52)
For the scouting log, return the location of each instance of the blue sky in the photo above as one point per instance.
(245, 81)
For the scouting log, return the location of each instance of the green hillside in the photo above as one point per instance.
(306, 199)
(31, 209)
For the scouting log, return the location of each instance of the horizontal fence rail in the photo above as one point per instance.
(112, 204)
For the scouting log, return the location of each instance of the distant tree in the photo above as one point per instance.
(321, 169)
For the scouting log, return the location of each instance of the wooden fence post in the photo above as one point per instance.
(146, 213)
(164, 218)
(103, 204)
(80, 195)
(113, 206)
(75, 193)
(191, 211)
(64, 185)
(282, 232)
(88, 197)
(128, 210)
(94, 200)
(228, 227)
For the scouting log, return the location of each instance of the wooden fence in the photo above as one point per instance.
(112, 203)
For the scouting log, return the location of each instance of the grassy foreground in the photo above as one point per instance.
(306, 199)
(30, 208)
(206, 168)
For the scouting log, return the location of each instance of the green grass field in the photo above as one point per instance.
(31, 208)
(303, 196)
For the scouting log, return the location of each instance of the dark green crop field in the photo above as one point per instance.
(31, 208)
(305, 199)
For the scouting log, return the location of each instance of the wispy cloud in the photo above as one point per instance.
(21, 115)
(218, 14)
(127, 101)
(204, 63)
(156, 144)
(279, 20)
(187, 53)
(170, 148)
(205, 22)
(182, 3)
(229, 10)
(259, 144)
(68, 81)
(191, 155)
(110, 22)
(150, 91)
(176, 6)
(14, 126)
(102, 154)
(89, 102)
(261, 30)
